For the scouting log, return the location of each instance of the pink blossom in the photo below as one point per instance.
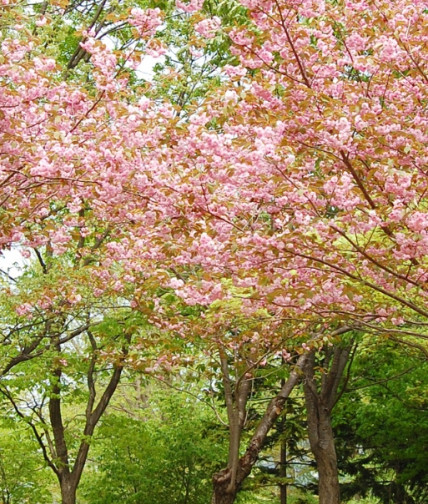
(418, 222)
(192, 6)
(175, 283)
(41, 21)
(74, 298)
(390, 49)
(356, 42)
(24, 309)
(235, 71)
(208, 27)
(146, 21)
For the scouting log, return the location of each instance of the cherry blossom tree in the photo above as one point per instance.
(306, 182)
(301, 180)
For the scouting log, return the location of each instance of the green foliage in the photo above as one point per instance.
(191, 67)
(23, 478)
(381, 425)
(166, 451)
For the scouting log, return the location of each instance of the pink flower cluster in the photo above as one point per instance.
(208, 27)
(147, 21)
(192, 6)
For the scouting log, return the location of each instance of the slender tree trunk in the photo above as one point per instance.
(322, 444)
(283, 471)
(283, 454)
(228, 481)
(319, 405)
(69, 474)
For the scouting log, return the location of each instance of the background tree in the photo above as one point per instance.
(61, 393)
(380, 425)
(166, 446)
(23, 475)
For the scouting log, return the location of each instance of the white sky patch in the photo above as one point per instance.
(12, 263)
(145, 70)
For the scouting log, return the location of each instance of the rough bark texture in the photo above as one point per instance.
(68, 490)
(322, 445)
(319, 404)
(222, 493)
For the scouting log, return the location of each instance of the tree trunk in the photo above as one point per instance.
(222, 491)
(223, 498)
(283, 471)
(283, 454)
(319, 404)
(323, 448)
(228, 481)
(68, 490)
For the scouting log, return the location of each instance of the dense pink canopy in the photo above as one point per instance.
(301, 180)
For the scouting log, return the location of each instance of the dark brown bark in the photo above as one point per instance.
(319, 404)
(222, 493)
(68, 490)
(69, 475)
(92, 420)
